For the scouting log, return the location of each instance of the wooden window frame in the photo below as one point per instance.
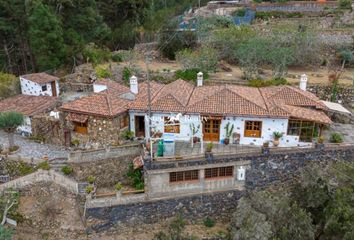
(307, 126)
(81, 128)
(292, 127)
(184, 176)
(219, 172)
(171, 128)
(253, 132)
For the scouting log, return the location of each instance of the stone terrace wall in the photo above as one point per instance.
(39, 176)
(345, 93)
(104, 153)
(108, 171)
(265, 170)
(216, 205)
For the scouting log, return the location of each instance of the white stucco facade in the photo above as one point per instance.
(26, 127)
(35, 89)
(269, 126)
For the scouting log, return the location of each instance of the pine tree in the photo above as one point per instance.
(46, 37)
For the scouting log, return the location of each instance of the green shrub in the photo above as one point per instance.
(102, 72)
(127, 73)
(89, 189)
(336, 138)
(118, 186)
(43, 165)
(95, 55)
(190, 74)
(14, 148)
(209, 222)
(25, 169)
(117, 57)
(67, 170)
(136, 176)
(345, 4)
(127, 134)
(239, 12)
(91, 179)
(75, 142)
(266, 83)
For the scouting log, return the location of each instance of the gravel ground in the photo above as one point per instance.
(32, 149)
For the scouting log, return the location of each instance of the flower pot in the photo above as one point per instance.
(226, 141)
(265, 150)
(319, 146)
(209, 156)
(276, 142)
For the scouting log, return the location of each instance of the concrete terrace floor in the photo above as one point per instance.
(31, 149)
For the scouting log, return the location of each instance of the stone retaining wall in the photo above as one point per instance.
(104, 153)
(40, 176)
(324, 92)
(265, 170)
(216, 205)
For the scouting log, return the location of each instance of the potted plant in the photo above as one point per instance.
(320, 142)
(119, 188)
(265, 148)
(228, 128)
(208, 151)
(277, 136)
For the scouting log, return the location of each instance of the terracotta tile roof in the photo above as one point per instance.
(290, 96)
(307, 114)
(141, 99)
(40, 78)
(181, 96)
(101, 104)
(172, 97)
(28, 105)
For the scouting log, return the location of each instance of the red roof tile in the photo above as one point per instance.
(28, 105)
(40, 78)
(101, 104)
(181, 96)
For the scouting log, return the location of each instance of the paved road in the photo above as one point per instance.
(32, 149)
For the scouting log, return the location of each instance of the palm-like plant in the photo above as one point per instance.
(9, 121)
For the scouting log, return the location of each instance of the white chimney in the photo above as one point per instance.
(303, 82)
(199, 79)
(134, 84)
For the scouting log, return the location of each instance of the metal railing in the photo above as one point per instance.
(254, 150)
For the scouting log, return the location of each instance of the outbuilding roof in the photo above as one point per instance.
(40, 78)
(28, 105)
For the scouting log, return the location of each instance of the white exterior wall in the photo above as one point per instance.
(157, 181)
(269, 126)
(26, 127)
(35, 89)
(99, 87)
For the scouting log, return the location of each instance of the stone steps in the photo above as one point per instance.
(58, 163)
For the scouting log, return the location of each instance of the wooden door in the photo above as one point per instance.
(211, 130)
(139, 126)
(54, 89)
